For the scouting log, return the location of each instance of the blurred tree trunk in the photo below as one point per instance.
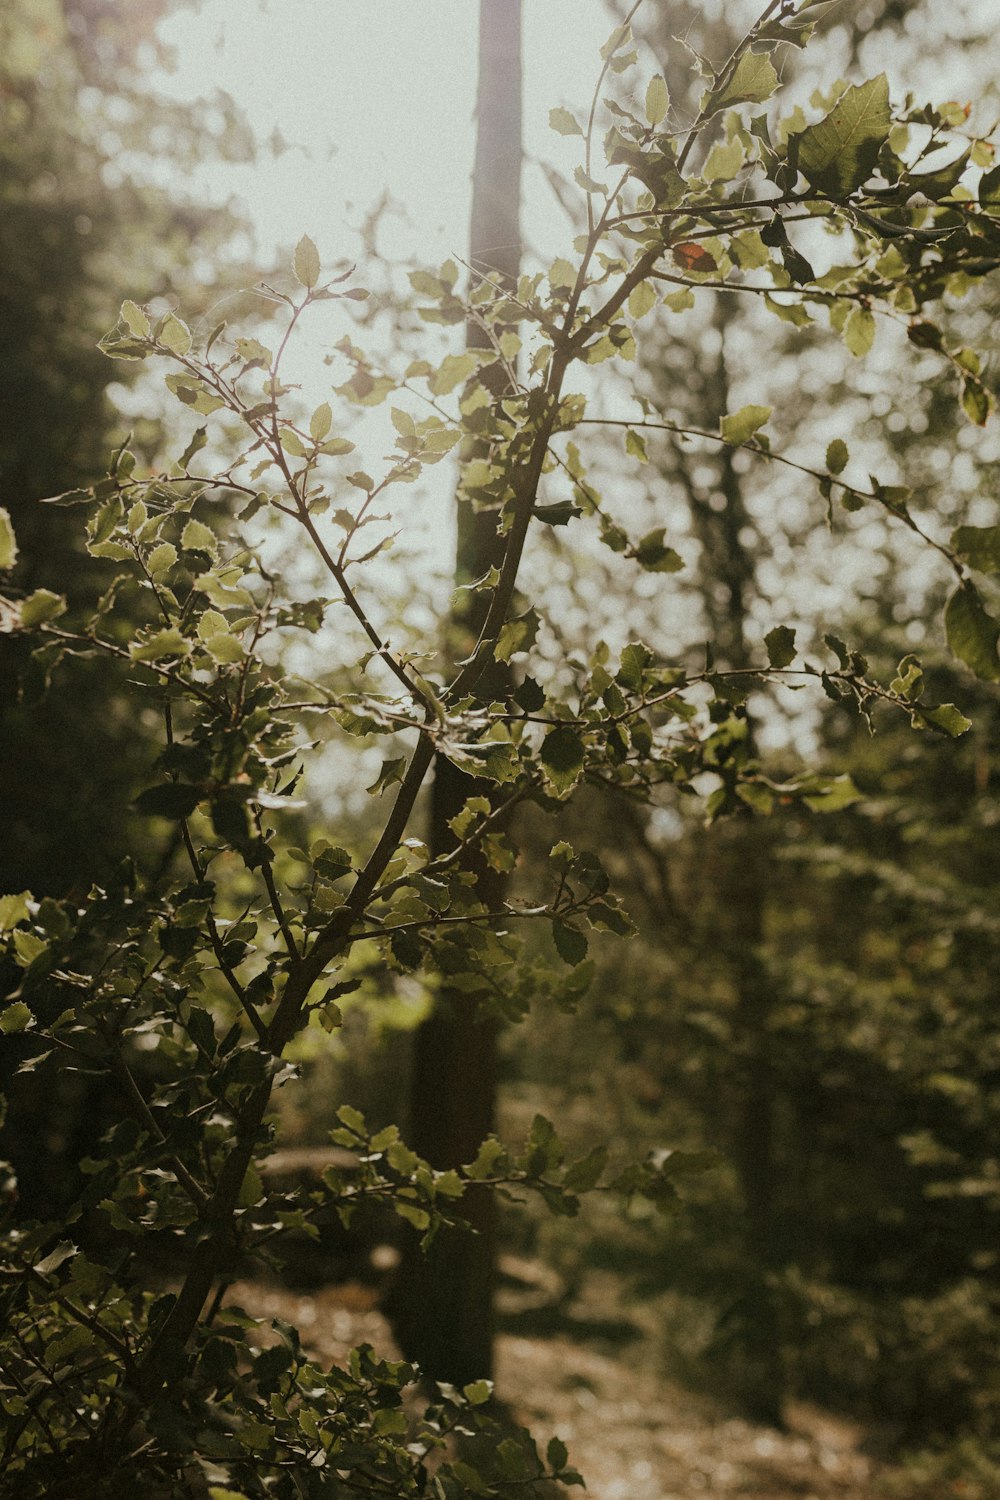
(443, 1306)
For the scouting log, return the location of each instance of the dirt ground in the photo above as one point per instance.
(632, 1434)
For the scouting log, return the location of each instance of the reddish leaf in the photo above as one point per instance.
(693, 257)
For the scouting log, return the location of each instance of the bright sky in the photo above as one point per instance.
(374, 97)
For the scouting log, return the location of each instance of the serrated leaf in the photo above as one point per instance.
(517, 635)
(972, 633)
(562, 757)
(40, 606)
(16, 1017)
(654, 556)
(161, 558)
(454, 370)
(135, 319)
(741, 425)
(198, 537)
(563, 122)
(14, 909)
(305, 262)
(571, 943)
(163, 643)
(780, 643)
(176, 335)
(753, 81)
(946, 717)
(839, 153)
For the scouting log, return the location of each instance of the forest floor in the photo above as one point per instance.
(633, 1434)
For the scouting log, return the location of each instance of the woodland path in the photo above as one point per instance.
(633, 1434)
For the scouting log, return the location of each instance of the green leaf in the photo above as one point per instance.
(40, 606)
(859, 331)
(197, 537)
(741, 425)
(657, 99)
(161, 558)
(945, 717)
(979, 546)
(172, 799)
(571, 943)
(975, 401)
(454, 370)
(651, 553)
(14, 909)
(176, 335)
(831, 794)
(837, 456)
(16, 1017)
(8, 545)
(305, 262)
(839, 153)
(478, 1392)
(320, 422)
(562, 757)
(563, 122)
(780, 643)
(135, 320)
(972, 633)
(162, 643)
(585, 1174)
(753, 81)
(517, 635)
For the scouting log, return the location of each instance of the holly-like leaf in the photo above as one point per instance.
(839, 153)
(564, 123)
(780, 643)
(175, 335)
(571, 943)
(753, 81)
(562, 757)
(40, 606)
(741, 425)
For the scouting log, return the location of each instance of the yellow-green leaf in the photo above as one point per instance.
(8, 545)
(741, 425)
(305, 262)
(176, 335)
(657, 99)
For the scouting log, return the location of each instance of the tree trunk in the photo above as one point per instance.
(443, 1303)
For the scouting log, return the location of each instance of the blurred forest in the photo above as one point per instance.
(812, 999)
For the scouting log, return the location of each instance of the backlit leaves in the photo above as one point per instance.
(305, 262)
(972, 633)
(839, 153)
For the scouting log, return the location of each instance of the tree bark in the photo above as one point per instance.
(443, 1303)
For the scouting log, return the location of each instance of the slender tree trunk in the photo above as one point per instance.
(443, 1305)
